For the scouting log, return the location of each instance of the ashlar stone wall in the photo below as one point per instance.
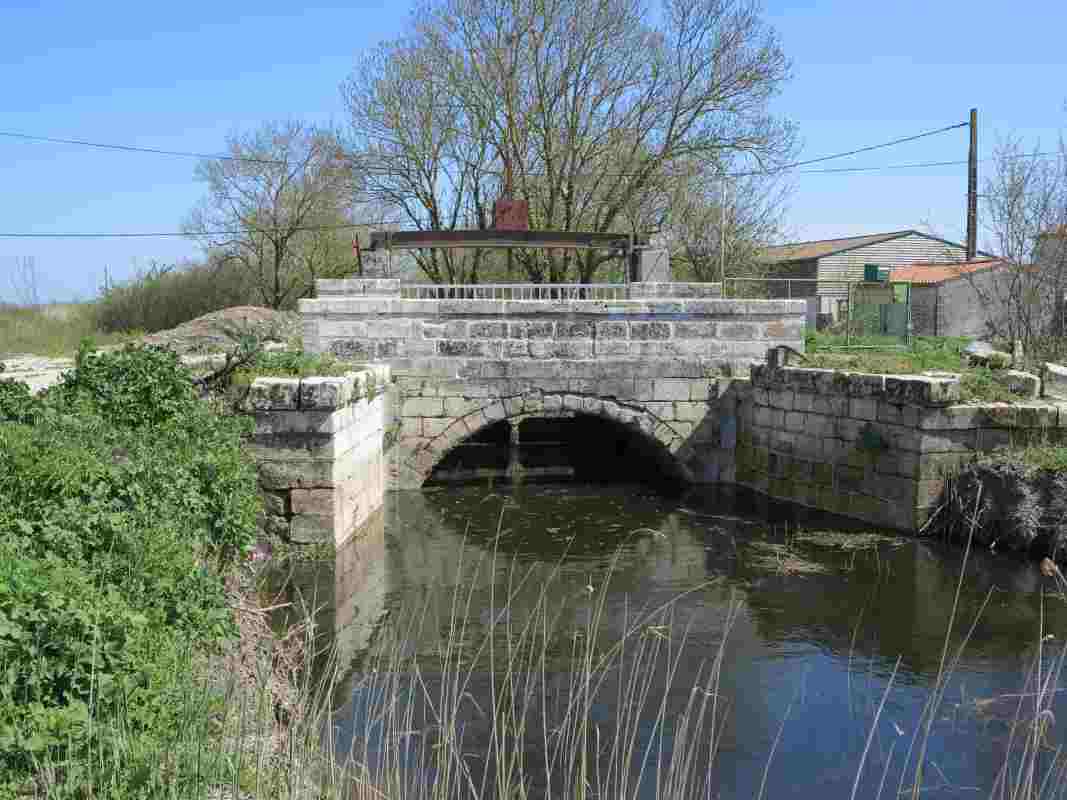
(319, 445)
(874, 447)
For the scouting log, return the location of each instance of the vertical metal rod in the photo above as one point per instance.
(972, 190)
(722, 233)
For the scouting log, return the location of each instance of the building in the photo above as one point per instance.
(957, 299)
(828, 265)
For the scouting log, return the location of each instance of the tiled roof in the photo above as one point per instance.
(797, 251)
(939, 273)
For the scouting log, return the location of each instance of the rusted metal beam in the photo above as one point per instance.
(418, 240)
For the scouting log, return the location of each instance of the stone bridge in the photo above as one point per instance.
(651, 359)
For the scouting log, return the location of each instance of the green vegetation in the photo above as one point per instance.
(165, 296)
(53, 330)
(294, 364)
(123, 500)
(927, 354)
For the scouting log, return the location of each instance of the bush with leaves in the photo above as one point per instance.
(123, 497)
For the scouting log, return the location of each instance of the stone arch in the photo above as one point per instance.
(634, 417)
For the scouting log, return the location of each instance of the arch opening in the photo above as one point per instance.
(580, 448)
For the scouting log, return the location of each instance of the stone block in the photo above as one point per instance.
(323, 394)
(434, 427)
(671, 389)
(311, 528)
(738, 330)
(695, 330)
(487, 330)
(273, 394)
(646, 331)
(612, 330)
(465, 348)
(922, 390)
(277, 475)
(690, 412)
(784, 398)
(864, 408)
(574, 330)
(275, 503)
(460, 406)
(422, 407)
(1024, 384)
(1054, 381)
(313, 501)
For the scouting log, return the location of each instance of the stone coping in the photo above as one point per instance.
(931, 391)
(378, 305)
(316, 393)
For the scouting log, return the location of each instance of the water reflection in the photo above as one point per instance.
(816, 624)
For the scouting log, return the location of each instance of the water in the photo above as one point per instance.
(811, 625)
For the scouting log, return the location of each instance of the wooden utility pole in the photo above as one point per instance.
(972, 190)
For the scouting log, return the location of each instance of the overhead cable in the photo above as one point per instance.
(133, 149)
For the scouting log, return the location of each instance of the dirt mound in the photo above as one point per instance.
(209, 333)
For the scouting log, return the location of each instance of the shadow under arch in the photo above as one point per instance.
(624, 436)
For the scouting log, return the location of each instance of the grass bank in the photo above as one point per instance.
(52, 330)
(125, 502)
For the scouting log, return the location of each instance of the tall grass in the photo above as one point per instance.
(416, 729)
(50, 330)
(164, 296)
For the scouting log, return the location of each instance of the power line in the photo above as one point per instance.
(183, 234)
(923, 164)
(869, 148)
(133, 149)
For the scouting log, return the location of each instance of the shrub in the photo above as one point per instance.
(121, 494)
(165, 296)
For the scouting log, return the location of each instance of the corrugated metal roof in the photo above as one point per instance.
(930, 274)
(819, 248)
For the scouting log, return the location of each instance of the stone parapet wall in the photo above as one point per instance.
(319, 447)
(674, 290)
(714, 330)
(873, 447)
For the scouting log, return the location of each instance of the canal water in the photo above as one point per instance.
(780, 649)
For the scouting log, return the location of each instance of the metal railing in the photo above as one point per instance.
(514, 291)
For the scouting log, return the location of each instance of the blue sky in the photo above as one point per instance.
(182, 76)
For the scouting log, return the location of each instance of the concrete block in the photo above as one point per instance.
(1054, 381)
(273, 394)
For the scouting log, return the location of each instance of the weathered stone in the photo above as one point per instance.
(273, 394)
(1054, 381)
(922, 390)
(1023, 384)
(313, 501)
(275, 503)
(325, 393)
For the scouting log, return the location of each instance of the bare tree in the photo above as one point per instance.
(278, 208)
(1025, 218)
(590, 107)
(25, 281)
(719, 224)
